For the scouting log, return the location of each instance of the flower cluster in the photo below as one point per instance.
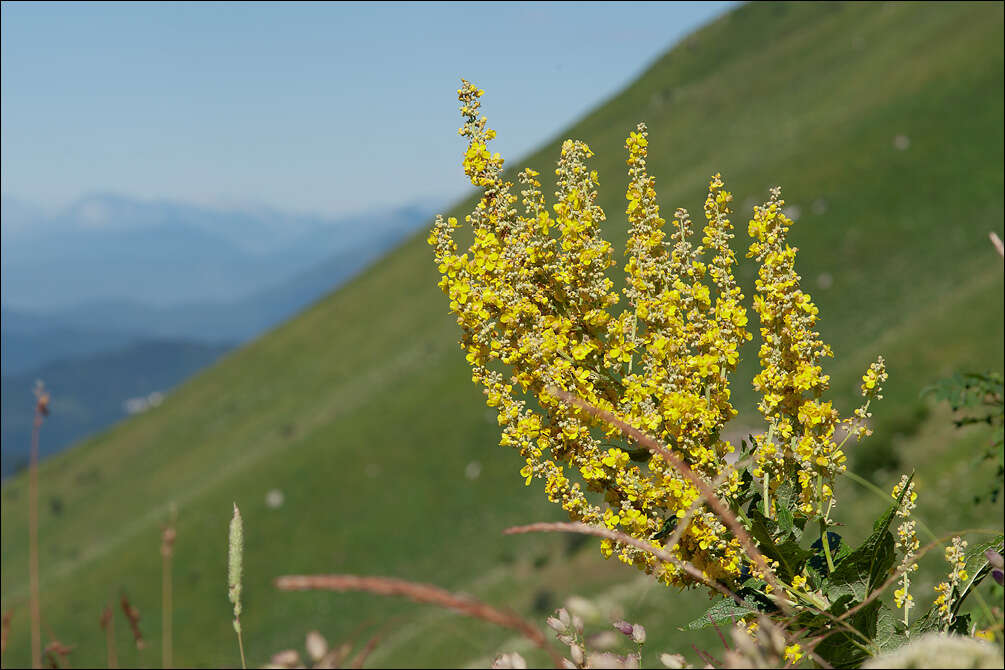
(872, 386)
(956, 557)
(537, 312)
(907, 542)
(800, 439)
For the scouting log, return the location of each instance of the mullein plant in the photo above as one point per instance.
(541, 321)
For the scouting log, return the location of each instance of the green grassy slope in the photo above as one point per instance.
(362, 412)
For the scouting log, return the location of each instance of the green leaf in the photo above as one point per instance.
(927, 623)
(843, 649)
(784, 495)
(866, 568)
(890, 630)
(789, 554)
(815, 576)
(842, 604)
(875, 621)
(722, 611)
(931, 622)
(786, 522)
(977, 566)
(755, 583)
(863, 570)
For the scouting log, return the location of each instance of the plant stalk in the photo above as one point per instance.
(167, 603)
(827, 546)
(36, 608)
(240, 642)
(113, 657)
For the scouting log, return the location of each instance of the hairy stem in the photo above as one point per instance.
(240, 642)
(827, 545)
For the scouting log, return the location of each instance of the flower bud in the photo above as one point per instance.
(317, 646)
(673, 661)
(563, 615)
(510, 660)
(288, 658)
(577, 623)
(556, 624)
(577, 654)
(624, 627)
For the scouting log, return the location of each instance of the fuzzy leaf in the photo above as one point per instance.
(789, 554)
(890, 630)
(925, 624)
(978, 567)
(866, 568)
(724, 610)
(841, 649)
(784, 495)
(786, 522)
(753, 583)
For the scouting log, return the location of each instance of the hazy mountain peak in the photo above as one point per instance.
(160, 252)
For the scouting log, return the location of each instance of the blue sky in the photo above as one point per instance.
(331, 108)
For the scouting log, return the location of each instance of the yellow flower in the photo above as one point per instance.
(582, 350)
(793, 653)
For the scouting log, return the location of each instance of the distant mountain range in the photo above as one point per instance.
(114, 298)
(157, 253)
(109, 269)
(28, 341)
(81, 328)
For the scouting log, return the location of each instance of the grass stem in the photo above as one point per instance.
(41, 410)
(240, 642)
(167, 604)
(108, 625)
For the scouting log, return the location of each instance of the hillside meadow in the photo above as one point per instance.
(883, 125)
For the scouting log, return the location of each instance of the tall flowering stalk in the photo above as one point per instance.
(948, 591)
(235, 573)
(800, 440)
(907, 543)
(538, 311)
